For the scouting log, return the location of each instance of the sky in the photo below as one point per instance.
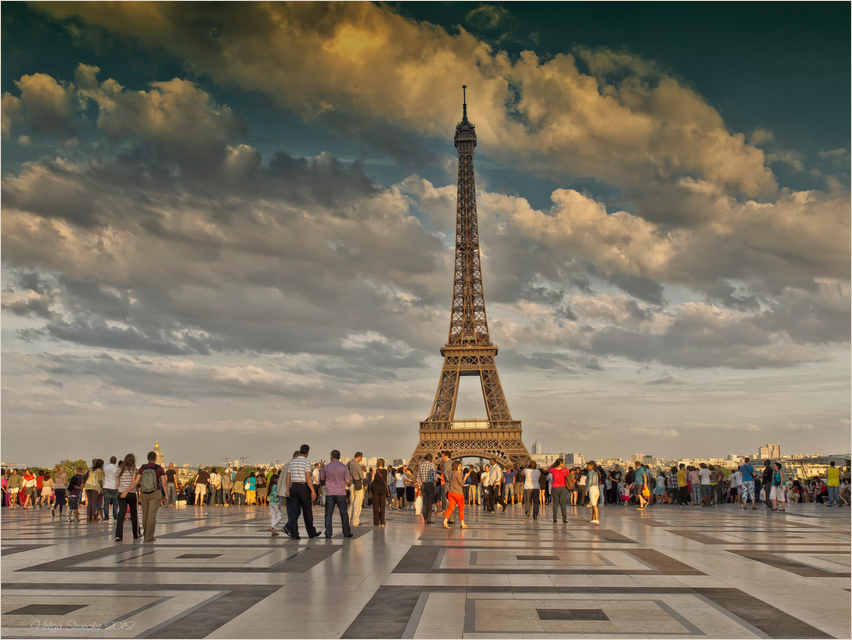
(230, 227)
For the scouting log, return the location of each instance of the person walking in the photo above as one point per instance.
(150, 478)
(301, 495)
(93, 487)
(642, 490)
(215, 487)
(495, 477)
(748, 475)
(60, 484)
(337, 481)
(356, 489)
(124, 480)
(200, 483)
(832, 478)
(426, 477)
(110, 489)
(240, 487)
(447, 473)
(379, 491)
(261, 488)
(171, 486)
(227, 483)
(682, 491)
(593, 489)
(704, 484)
(274, 503)
(560, 489)
(531, 490)
(455, 495)
(410, 496)
(75, 489)
(779, 488)
(767, 484)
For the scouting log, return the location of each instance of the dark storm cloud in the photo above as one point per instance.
(638, 287)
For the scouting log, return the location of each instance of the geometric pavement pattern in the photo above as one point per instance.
(667, 572)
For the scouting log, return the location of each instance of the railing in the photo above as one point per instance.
(512, 425)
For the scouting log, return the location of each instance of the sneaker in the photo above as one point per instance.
(464, 526)
(446, 526)
(286, 531)
(595, 521)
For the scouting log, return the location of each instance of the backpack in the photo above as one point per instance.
(149, 480)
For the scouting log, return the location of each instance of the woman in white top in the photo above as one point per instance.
(531, 490)
(123, 480)
(399, 483)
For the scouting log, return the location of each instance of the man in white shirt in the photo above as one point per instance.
(495, 477)
(215, 487)
(704, 478)
(110, 488)
(485, 488)
(734, 480)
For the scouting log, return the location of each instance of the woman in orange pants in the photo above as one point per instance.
(455, 496)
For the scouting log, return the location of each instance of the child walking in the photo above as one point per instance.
(274, 504)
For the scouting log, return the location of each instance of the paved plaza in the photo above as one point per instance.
(216, 573)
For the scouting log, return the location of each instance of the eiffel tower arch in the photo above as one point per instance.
(469, 350)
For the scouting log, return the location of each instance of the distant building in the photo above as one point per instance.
(574, 460)
(161, 460)
(545, 460)
(770, 451)
(536, 448)
(637, 457)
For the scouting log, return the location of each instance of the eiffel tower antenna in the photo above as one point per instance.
(469, 350)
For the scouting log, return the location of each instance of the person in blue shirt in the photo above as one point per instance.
(508, 485)
(639, 481)
(747, 484)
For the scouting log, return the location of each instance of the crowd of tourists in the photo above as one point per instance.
(433, 487)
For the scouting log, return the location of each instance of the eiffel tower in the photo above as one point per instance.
(469, 350)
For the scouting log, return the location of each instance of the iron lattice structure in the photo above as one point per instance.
(469, 350)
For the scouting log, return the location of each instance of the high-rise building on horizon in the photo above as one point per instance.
(536, 448)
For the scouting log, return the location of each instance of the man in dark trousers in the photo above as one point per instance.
(300, 494)
(767, 482)
(426, 477)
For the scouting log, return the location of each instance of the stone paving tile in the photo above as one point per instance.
(667, 572)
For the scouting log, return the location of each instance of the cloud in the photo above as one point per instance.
(47, 104)
(654, 433)
(358, 66)
(668, 378)
(11, 109)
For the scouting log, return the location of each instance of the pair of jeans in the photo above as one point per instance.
(111, 495)
(60, 499)
(128, 502)
(239, 498)
(150, 505)
(356, 503)
(560, 500)
(92, 503)
(682, 495)
(428, 492)
(274, 515)
(226, 496)
(300, 504)
(509, 491)
(330, 503)
(379, 508)
(833, 496)
(171, 493)
(531, 500)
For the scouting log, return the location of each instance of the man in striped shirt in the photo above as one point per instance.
(300, 494)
